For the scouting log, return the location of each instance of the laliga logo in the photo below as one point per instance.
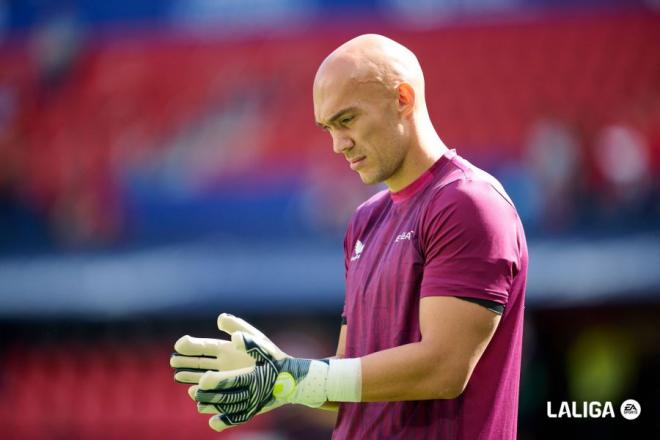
(630, 410)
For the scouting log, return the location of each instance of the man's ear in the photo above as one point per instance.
(406, 98)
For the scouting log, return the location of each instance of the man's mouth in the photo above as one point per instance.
(355, 162)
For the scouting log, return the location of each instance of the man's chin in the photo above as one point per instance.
(371, 178)
(368, 179)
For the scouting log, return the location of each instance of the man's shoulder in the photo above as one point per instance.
(373, 203)
(466, 182)
(367, 210)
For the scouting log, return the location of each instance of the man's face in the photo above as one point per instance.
(365, 124)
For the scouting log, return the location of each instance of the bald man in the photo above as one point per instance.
(436, 264)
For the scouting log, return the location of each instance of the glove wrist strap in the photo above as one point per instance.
(314, 382)
(301, 381)
(344, 382)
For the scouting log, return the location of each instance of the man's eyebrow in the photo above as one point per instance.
(337, 115)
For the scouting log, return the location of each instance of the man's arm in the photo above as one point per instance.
(341, 344)
(455, 334)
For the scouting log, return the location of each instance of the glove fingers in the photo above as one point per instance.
(261, 351)
(230, 324)
(225, 408)
(225, 380)
(246, 343)
(228, 397)
(239, 343)
(208, 354)
(191, 346)
(189, 369)
(233, 408)
(204, 408)
(190, 376)
(194, 362)
(221, 422)
(231, 359)
(224, 421)
(192, 391)
(217, 424)
(193, 375)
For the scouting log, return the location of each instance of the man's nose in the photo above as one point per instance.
(341, 143)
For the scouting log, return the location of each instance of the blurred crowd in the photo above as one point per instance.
(590, 180)
(111, 141)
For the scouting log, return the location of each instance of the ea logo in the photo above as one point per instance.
(630, 409)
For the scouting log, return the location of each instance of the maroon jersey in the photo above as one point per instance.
(452, 232)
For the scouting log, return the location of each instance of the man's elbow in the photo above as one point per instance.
(456, 389)
(451, 385)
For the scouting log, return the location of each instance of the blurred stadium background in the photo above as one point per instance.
(159, 164)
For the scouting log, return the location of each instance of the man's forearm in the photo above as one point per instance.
(455, 334)
(415, 371)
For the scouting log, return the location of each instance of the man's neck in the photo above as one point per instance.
(425, 151)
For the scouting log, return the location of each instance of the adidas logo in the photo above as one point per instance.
(359, 247)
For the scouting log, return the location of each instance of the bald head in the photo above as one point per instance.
(369, 96)
(371, 58)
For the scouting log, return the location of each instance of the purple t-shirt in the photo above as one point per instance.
(452, 232)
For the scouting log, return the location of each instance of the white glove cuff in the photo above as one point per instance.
(344, 382)
(309, 391)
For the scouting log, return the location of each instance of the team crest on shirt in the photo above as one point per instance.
(359, 247)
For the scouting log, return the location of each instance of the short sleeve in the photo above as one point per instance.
(469, 240)
(348, 249)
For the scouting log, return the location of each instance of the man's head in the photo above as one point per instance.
(369, 95)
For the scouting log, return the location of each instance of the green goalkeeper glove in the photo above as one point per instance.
(274, 378)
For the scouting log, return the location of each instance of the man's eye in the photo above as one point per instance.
(346, 120)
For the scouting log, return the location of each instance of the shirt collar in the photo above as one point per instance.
(422, 181)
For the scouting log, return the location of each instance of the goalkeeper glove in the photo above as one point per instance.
(274, 378)
(194, 356)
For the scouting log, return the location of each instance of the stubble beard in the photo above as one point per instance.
(383, 173)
